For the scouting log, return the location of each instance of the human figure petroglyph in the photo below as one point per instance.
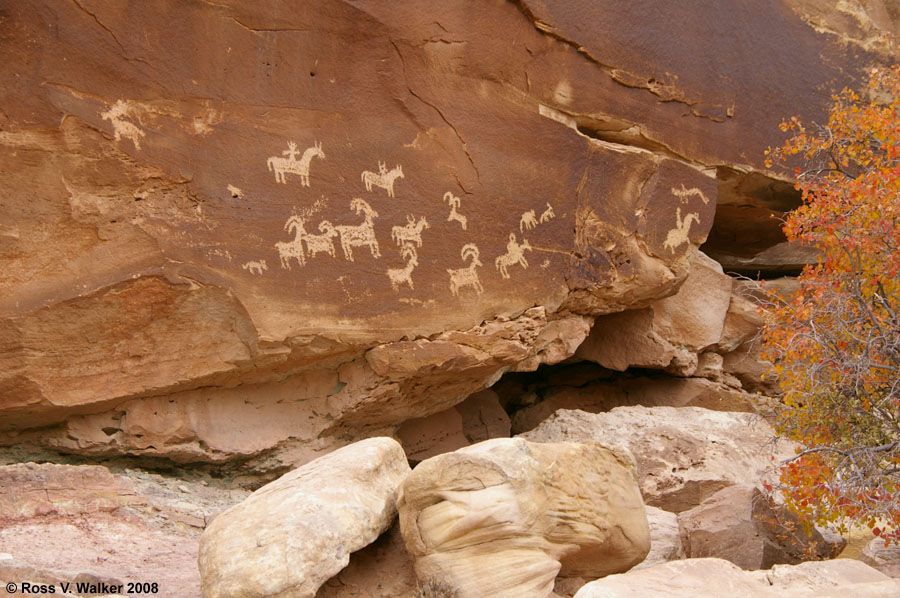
(548, 214)
(468, 276)
(384, 178)
(454, 206)
(399, 276)
(122, 128)
(683, 194)
(362, 234)
(255, 267)
(290, 164)
(679, 235)
(515, 254)
(528, 221)
(411, 233)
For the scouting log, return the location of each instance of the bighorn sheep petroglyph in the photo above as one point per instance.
(466, 277)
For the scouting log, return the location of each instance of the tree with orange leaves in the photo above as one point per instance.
(835, 344)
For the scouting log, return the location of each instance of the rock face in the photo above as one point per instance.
(503, 517)
(714, 578)
(884, 558)
(739, 524)
(665, 540)
(265, 232)
(684, 455)
(295, 533)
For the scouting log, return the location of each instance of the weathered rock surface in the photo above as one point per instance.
(741, 525)
(503, 517)
(648, 391)
(245, 233)
(665, 540)
(882, 557)
(293, 534)
(714, 578)
(380, 570)
(684, 455)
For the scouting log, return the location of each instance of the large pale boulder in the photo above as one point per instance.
(715, 578)
(293, 534)
(742, 525)
(665, 540)
(684, 455)
(503, 517)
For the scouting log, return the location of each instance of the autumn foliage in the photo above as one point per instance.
(835, 344)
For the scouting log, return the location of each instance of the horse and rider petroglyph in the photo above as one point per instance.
(290, 164)
(454, 206)
(515, 254)
(468, 276)
(360, 235)
(411, 233)
(384, 178)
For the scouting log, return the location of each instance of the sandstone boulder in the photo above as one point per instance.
(671, 332)
(503, 517)
(665, 540)
(602, 395)
(882, 557)
(742, 525)
(684, 455)
(295, 533)
(715, 578)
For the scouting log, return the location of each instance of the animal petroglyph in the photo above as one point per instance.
(683, 194)
(291, 165)
(292, 249)
(257, 267)
(454, 206)
(116, 115)
(235, 192)
(384, 178)
(399, 276)
(411, 233)
(323, 242)
(528, 221)
(362, 234)
(679, 235)
(548, 214)
(515, 254)
(468, 276)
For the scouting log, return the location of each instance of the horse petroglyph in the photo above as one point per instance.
(384, 178)
(411, 233)
(399, 276)
(466, 277)
(360, 235)
(116, 115)
(255, 267)
(528, 221)
(454, 206)
(548, 214)
(683, 194)
(515, 254)
(679, 235)
(290, 164)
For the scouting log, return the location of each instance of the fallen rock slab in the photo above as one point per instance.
(295, 533)
(684, 455)
(503, 517)
(741, 524)
(665, 541)
(882, 557)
